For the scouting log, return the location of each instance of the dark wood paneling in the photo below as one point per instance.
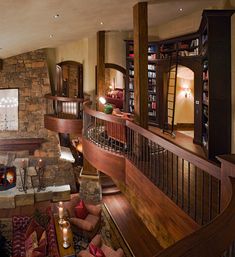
(140, 14)
(63, 125)
(109, 163)
(159, 213)
(19, 144)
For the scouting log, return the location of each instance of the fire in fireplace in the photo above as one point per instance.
(7, 177)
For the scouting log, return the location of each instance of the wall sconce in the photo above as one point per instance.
(187, 91)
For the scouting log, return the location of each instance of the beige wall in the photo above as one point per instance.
(115, 51)
(85, 52)
(184, 108)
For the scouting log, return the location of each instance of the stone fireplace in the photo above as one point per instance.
(29, 73)
(7, 177)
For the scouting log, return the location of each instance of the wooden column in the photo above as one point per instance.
(100, 63)
(140, 21)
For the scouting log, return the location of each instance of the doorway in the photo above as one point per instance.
(184, 105)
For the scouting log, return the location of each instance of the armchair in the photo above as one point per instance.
(98, 242)
(88, 226)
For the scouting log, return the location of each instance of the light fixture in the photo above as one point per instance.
(180, 9)
(101, 23)
(186, 90)
(56, 16)
(102, 100)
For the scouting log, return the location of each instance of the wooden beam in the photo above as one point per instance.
(100, 63)
(140, 21)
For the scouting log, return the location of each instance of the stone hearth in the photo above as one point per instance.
(29, 73)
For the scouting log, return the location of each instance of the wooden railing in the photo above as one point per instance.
(192, 182)
(64, 114)
(212, 240)
(63, 107)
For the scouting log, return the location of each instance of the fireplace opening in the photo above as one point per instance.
(7, 177)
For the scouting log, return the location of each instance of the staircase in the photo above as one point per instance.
(107, 185)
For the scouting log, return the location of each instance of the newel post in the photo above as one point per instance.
(227, 170)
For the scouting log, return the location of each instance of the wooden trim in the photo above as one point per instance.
(64, 99)
(140, 21)
(21, 144)
(101, 62)
(102, 115)
(59, 125)
(109, 163)
(198, 161)
(115, 67)
(209, 241)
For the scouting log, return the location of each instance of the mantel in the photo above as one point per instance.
(20, 144)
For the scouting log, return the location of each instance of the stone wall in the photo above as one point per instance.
(29, 73)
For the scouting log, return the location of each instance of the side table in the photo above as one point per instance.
(68, 252)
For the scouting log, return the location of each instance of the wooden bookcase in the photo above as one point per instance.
(187, 45)
(215, 30)
(153, 90)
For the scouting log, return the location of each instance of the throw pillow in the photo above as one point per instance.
(95, 251)
(31, 243)
(34, 226)
(81, 210)
(41, 250)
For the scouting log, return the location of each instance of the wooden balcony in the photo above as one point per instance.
(64, 114)
(173, 190)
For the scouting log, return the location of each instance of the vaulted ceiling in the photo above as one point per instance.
(31, 24)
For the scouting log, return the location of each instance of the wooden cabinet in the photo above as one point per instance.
(215, 30)
(153, 89)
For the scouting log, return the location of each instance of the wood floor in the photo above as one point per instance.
(181, 140)
(137, 236)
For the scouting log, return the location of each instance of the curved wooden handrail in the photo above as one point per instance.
(64, 99)
(102, 115)
(211, 168)
(211, 240)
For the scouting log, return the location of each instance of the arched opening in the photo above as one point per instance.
(184, 104)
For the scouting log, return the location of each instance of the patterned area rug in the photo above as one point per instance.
(109, 232)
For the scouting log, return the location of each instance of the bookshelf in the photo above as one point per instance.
(153, 91)
(187, 45)
(215, 41)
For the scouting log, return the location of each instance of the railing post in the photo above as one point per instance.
(227, 170)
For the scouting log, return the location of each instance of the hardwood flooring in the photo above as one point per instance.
(181, 140)
(137, 236)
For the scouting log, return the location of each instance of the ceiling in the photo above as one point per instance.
(27, 24)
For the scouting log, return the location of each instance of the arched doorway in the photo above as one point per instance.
(184, 105)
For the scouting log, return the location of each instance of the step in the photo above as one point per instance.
(110, 190)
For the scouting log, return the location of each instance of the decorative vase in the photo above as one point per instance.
(108, 108)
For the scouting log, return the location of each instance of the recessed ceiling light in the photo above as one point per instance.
(101, 23)
(51, 36)
(56, 16)
(180, 9)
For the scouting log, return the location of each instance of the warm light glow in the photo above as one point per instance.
(102, 100)
(186, 90)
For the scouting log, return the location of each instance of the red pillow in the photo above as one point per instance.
(81, 210)
(95, 251)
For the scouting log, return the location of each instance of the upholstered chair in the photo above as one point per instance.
(86, 223)
(98, 242)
